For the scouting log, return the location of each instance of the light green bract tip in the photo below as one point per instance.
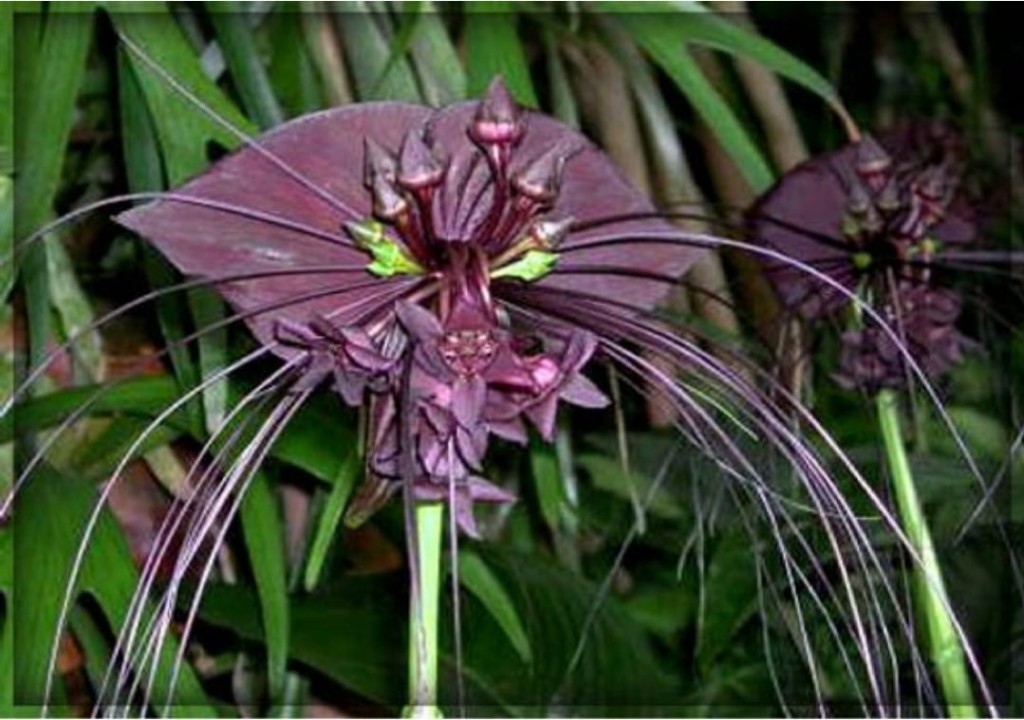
(390, 257)
(533, 265)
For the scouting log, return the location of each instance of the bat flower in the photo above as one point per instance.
(380, 246)
(878, 218)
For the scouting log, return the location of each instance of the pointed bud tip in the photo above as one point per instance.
(498, 117)
(418, 166)
(377, 162)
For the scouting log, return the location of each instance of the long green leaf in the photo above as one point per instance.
(368, 51)
(264, 540)
(6, 149)
(695, 23)
(235, 37)
(145, 395)
(330, 518)
(47, 78)
(661, 39)
(6, 89)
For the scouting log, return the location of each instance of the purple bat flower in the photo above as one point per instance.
(877, 217)
(448, 213)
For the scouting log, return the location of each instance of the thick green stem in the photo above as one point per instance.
(944, 642)
(423, 613)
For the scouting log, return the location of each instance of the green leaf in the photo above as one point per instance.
(479, 580)
(330, 518)
(6, 89)
(608, 475)
(74, 310)
(264, 539)
(6, 236)
(144, 168)
(47, 77)
(696, 23)
(48, 526)
(6, 622)
(493, 48)
(730, 583)
(354, 633)
(146, 395)
(319, 439)
(548, 484)
(235, 37)
(435, 59)
(377, 75)
(661, 38)
(291, 69)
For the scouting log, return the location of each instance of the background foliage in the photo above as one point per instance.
(702, 107)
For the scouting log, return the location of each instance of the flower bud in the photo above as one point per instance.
(418, 167)
(498, 118)
(873, 162)
(377, 163)
(541, 178)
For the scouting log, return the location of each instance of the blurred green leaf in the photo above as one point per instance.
(662, 39)
(547, 483)
(479, 580)
(6, 623)
(435, 58)
(231, 22)
(291, 70)
(369, 55)
(699, 24)
(730, 584)
(493, 48)
(608, 475)
(6, 236)
(617, 670)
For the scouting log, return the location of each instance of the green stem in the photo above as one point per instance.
(423, 613)
(944, 642)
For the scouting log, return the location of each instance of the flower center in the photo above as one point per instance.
(468, 352)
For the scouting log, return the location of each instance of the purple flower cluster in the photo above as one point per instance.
(380, 239)
(875, 217)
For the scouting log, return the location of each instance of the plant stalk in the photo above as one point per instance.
(423, 613)
(943, 641)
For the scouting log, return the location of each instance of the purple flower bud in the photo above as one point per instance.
(498, 118)
(541, 178)
(873, 163)
(418, 167)
(377, 162)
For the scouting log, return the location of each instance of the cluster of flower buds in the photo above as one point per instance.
(923, 321)
(872, 217)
